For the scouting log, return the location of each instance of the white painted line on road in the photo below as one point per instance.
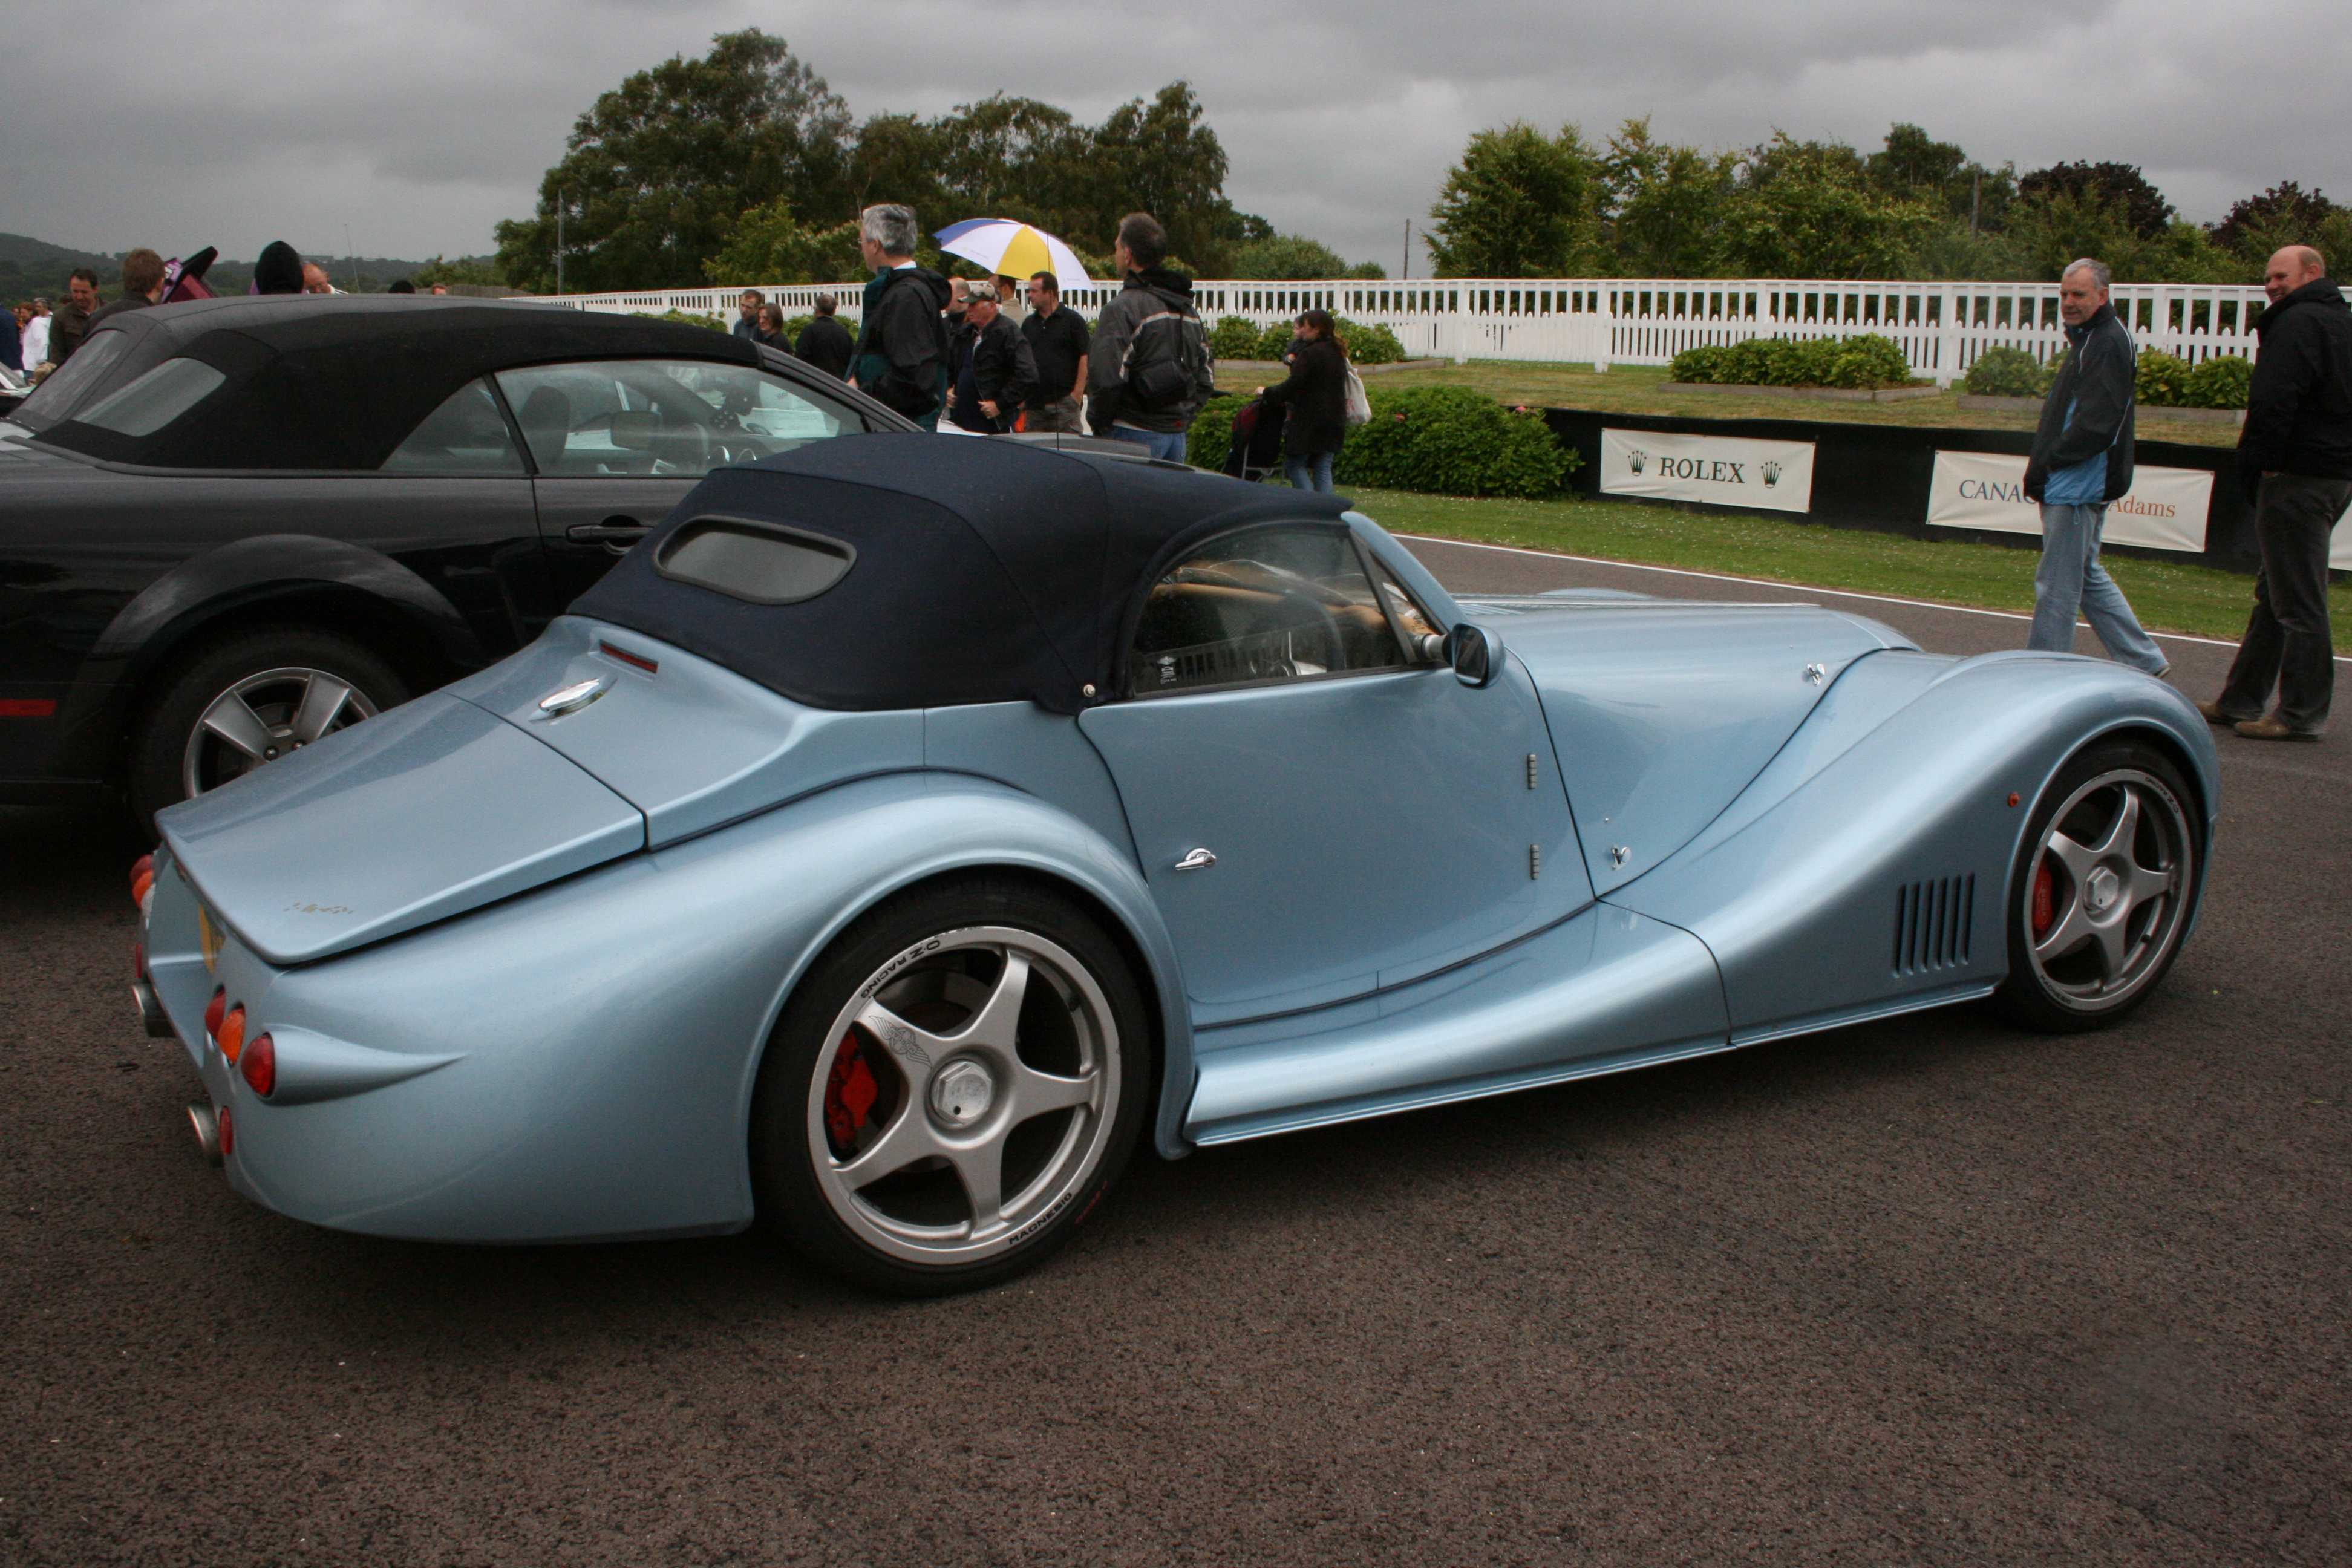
(1787, 587)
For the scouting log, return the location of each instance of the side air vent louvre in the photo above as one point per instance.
(1931, 924)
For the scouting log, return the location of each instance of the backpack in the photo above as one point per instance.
(1168, 363)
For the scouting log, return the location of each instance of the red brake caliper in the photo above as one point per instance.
(2045, 903)
(850, 1093)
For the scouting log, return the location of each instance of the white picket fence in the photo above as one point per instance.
(1943, 327)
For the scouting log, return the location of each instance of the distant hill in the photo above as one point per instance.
(30, 267)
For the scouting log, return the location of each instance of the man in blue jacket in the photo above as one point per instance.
(2082, 461)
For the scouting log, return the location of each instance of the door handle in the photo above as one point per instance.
(1198, 860)
(615, 534)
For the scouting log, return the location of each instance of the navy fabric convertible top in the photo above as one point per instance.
(986, 571)
(319, 381)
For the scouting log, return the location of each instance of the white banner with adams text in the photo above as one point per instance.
(1725, 469)
(2165, 508)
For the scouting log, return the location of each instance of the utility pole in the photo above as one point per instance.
(353, 259)
(1976, 195)
(1404, 268)
(562, 200)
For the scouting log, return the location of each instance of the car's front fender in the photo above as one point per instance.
(609, 1027)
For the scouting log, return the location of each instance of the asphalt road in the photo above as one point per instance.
(1928, 1292)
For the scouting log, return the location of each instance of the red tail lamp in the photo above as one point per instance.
(231, 1034)
(143, 876)
(260, 1066)
(227, 1134)
(213, 1009)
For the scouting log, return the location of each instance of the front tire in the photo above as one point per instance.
(244, 701)
(2103, 890)
(950, 1090)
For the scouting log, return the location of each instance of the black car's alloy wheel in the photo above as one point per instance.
(950, 1090)
(245, 703)
(2103, 891)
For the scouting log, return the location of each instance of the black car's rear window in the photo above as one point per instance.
(155, 399)
(71, 382)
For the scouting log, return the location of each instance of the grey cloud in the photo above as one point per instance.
(420, 126)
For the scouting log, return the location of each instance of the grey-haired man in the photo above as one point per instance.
(2082, 460)
(901, 358)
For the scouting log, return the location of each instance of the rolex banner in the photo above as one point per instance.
(1725, 469)
(2165, 508)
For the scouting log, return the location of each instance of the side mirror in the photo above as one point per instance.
(1472, 656)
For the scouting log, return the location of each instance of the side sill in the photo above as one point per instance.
(1241, 1129)
(1839, 1017)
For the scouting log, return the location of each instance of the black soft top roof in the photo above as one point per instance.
(984, 571)
(339, 381)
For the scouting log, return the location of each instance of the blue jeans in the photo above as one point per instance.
(2071, 579)
(1308, 471)
(1168, 443)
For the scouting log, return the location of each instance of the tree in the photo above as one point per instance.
(479, 270)
(2284, 214)
(658, 170)
(1806, 209)
(1518, 205)
(2140, 206)
(1161, 157)
(765, 246)
(1287, 256)
(1665, 203)
(1941, 176)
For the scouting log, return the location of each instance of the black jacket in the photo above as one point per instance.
(825, 343)
(1002, 366)
(2299, 409)
(114, 308)
(1317, 395)
(2097, 384)
(1145, 295)
(901, 357)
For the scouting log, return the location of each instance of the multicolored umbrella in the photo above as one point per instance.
(1011, 249)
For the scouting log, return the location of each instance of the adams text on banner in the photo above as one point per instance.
(2165, 509)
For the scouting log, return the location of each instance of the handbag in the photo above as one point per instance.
(1359, 403)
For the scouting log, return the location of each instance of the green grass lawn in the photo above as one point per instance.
(2167, 595)
(1634, 389)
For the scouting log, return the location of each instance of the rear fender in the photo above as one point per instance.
(1798, 886)
(201, 591)
(610, 1027)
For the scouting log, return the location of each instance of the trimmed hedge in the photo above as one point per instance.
(2007, 373)
(2222, 381)
(2161, 379)
(1439, 440)
(690, 318)
(1866, 360)
(1234, 337)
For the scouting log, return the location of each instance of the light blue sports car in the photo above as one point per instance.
(907, 826)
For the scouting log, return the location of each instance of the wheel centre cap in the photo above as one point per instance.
(962, 1093)
(2100, 890)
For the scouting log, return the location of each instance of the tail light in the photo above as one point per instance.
(260, 1066)
(138, 961)
(143, 876)
(227, 1134)
(213, 1009)
(231, 1037)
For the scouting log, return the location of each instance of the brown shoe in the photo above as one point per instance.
(2271, 730)
(2213, 714)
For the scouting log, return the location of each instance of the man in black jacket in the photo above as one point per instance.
(2082, 460)
(901, 357)
(996, 372)
(825, 342)
(2295, 457)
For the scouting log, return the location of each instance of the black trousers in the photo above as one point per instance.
(2288, 643)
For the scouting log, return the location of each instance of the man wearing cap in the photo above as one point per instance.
(995, 371)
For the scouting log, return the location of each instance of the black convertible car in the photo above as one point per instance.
(231, 526)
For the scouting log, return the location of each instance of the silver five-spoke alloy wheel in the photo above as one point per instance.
(966, 1096)
(264, 717)
(2109, 892)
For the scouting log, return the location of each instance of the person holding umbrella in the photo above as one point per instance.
(994, 372)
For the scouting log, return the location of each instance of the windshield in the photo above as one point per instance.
(54, 399)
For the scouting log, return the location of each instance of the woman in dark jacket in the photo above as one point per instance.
(771, 329)
(1316, 398)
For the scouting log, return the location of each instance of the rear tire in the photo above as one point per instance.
(950, 1090)
(2105, 886)
(268, 691)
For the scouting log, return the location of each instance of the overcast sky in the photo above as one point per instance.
(415, 127)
